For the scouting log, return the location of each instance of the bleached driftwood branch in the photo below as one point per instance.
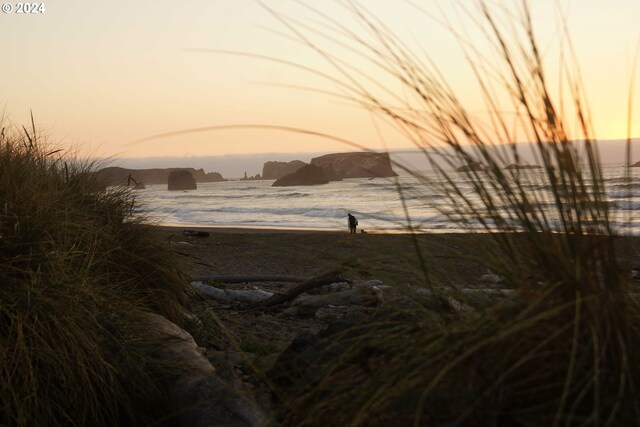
(249, 278)
(313, 283)
(249, 296)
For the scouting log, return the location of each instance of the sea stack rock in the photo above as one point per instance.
(339, 166)
(276, 170)
(121, 176)
(201, 176)
(181, 180)
(522, 167)
(306, 175)
(471, 167)
(636, 165)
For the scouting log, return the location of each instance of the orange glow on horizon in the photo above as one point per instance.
(103, 74)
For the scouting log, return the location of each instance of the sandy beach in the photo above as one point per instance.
(387, 257)
(263, 334)
(392, 258)
(450, 258)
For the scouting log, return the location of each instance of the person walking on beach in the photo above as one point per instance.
(353, 223)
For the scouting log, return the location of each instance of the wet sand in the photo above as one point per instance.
(388, 257)
(394, 258)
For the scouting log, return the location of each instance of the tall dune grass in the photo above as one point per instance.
(563, 349)
(76, 273)
(560, 350)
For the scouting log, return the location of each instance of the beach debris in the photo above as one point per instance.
(344, 313)
(337, 292)
(194, 233)
(446, 301)
(461, 301)
(198, 396)
(455, 306)
(336, 287)
(492, 278)
(466, 291)
(373, 283)
(177, 344)
(250, 278)
(309, 304)
(252, 296)
(313, 283)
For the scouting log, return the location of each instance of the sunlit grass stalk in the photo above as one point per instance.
(559, 351)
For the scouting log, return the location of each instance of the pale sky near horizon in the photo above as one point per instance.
(100, 74)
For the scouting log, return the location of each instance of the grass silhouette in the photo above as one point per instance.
(560, 349)
(77, 273)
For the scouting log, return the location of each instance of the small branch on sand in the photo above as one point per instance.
(313, 283)
(249, 279)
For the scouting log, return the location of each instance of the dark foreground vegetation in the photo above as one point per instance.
(490, 360)
(562, 348)
(76, 274)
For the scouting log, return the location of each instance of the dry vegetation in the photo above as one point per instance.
(76, 274)
(558, 352)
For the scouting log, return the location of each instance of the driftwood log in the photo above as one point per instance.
(358, 297)
(343, 292)
(249, 278)
(198, 397)
(261, 298)
(248, 296)
(313, 283)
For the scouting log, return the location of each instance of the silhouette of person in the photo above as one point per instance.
(353, 223)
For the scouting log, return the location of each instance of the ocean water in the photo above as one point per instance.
(375, 202)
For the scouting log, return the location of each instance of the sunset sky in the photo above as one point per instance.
(100, 74)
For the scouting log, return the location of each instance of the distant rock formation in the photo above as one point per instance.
(201, 176)
(471, 167)
(339, 166)
(139, 186)
(120, 176)
(636, 165)
(306, 175)
(523, 167)
(256, 177)
(276, 170)
(181, 180)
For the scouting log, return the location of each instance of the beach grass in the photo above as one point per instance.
(77, 274)
(561, 349)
